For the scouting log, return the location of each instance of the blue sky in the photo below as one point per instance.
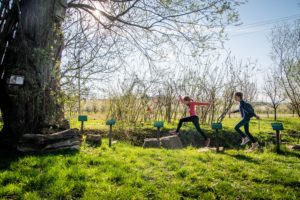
(251, 41)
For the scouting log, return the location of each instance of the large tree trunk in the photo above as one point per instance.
(35, 54)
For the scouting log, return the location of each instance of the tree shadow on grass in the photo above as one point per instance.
(289, 153)
(242, 157)
(8, 157)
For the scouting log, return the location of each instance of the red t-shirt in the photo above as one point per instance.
(192, 106)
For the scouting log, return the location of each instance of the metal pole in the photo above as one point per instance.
(110, 135)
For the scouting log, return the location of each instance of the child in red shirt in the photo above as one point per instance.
(193, 117)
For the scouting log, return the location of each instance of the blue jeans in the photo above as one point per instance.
(244, 122)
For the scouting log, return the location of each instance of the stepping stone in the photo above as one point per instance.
(171, 142)
(205, 149)
(151, 143)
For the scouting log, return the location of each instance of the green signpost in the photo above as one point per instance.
(82, 119)
(158, 125)
(217, 127)
(110, 122)
(277, 126)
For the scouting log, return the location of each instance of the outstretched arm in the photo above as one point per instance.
(180, 99)
(235, 111)
(201, 103)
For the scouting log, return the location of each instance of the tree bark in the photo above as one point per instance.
(35, 54)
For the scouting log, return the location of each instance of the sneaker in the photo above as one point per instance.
(253, 147)
(245, 141)
(207, 142)
(173, 133)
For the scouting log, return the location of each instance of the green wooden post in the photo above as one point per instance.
(82, 119)
(110, 135)
(217, 127)
(277, 127)
(110, 122)
(158, 125)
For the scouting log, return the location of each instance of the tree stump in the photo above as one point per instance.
(39, 143)
(93, 139)
(296, 147)
(151, 143)
(171, 142)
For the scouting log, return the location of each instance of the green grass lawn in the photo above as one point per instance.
(256, 126)
(131, 172)
(127, 172)
(261, 129)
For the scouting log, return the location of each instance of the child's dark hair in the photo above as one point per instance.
(239, 94)
(186, 98)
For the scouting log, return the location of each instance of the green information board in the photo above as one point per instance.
(277, 126)
(216, 126)
(82, 118)
(110, 122)
(159, 124)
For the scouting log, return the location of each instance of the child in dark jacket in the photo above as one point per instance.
(247, 113)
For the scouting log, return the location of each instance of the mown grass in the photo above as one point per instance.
(127, 172)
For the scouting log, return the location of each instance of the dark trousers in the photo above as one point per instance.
(244, 122)
(195, 121)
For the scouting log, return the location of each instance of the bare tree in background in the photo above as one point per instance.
(286, 55)
(274, 91)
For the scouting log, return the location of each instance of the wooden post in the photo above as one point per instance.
(278, 141)
(81, 128)
(158, 135)
(158, 125)
(217, 140)
(110, 135)
(82, 119)
(217, 127)
(110, 122)
(277, 127)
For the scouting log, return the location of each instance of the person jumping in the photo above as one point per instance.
(192, 118)
(247, 112)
